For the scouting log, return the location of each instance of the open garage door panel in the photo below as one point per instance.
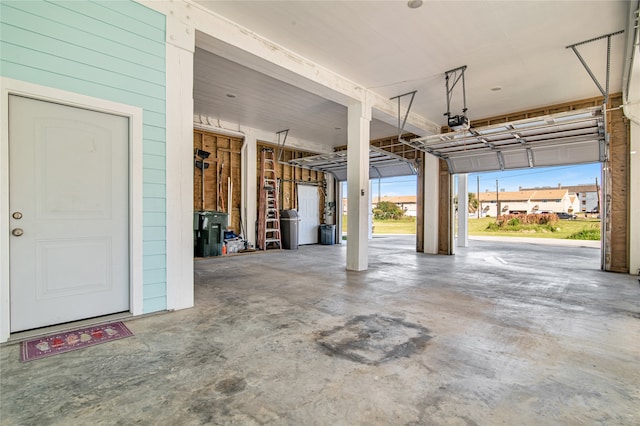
(552, 140)
(382, 164)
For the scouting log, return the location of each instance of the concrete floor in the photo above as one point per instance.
(500, 333)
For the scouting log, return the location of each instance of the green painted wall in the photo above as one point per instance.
(112, 50)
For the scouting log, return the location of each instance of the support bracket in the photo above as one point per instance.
(279, 136)
(603, 150)
(604, 141)
(574, 47)
(500, 159)
(449, 165)
(530, 158)
(403, 122)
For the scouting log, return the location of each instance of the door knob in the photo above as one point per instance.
(17, 232)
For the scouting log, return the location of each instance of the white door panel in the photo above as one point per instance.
(69, 182)
(308, 207)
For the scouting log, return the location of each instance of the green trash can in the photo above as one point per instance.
(209, 229)
(327, 234)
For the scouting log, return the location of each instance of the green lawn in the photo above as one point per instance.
(564, 228)
(403, 226)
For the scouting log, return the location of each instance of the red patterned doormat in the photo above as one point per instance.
(70, 341)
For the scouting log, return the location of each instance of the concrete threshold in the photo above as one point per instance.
(542, 241)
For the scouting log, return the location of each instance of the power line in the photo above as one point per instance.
(537, 172)
(390, 183)
(399, 181)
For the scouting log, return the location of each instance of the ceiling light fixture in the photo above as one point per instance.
(414, 4)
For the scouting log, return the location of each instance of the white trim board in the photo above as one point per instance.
(179, 177)
(16, 87)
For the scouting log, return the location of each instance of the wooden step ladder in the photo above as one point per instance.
(268, 208)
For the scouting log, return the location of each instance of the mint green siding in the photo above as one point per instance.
(113, 50)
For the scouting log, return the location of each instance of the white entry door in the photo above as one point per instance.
(69, 213)
(308, 206)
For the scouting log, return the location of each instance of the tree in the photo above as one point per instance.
(387, 210)
(473, 203)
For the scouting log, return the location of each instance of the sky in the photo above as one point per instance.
(509, 180)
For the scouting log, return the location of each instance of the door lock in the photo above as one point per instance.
(17, 215)
(17, 232)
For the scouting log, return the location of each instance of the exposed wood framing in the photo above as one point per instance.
(617, 226)
(445, 245)
(393, 145)
(420, 203)
(224, 163)
(290, 176)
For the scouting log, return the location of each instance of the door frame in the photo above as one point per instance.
(134, 114)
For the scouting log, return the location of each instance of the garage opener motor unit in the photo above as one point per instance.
(461, 121)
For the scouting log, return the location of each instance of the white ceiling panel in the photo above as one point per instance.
(517, 46)
(263, 102)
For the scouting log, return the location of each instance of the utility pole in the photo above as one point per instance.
(598, 194)
(497, 201)
(478, 195)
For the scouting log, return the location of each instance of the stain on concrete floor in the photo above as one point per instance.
(231, 385)
(374, 339)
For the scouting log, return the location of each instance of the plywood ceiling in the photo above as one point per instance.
(516, 46)
(263, 102)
